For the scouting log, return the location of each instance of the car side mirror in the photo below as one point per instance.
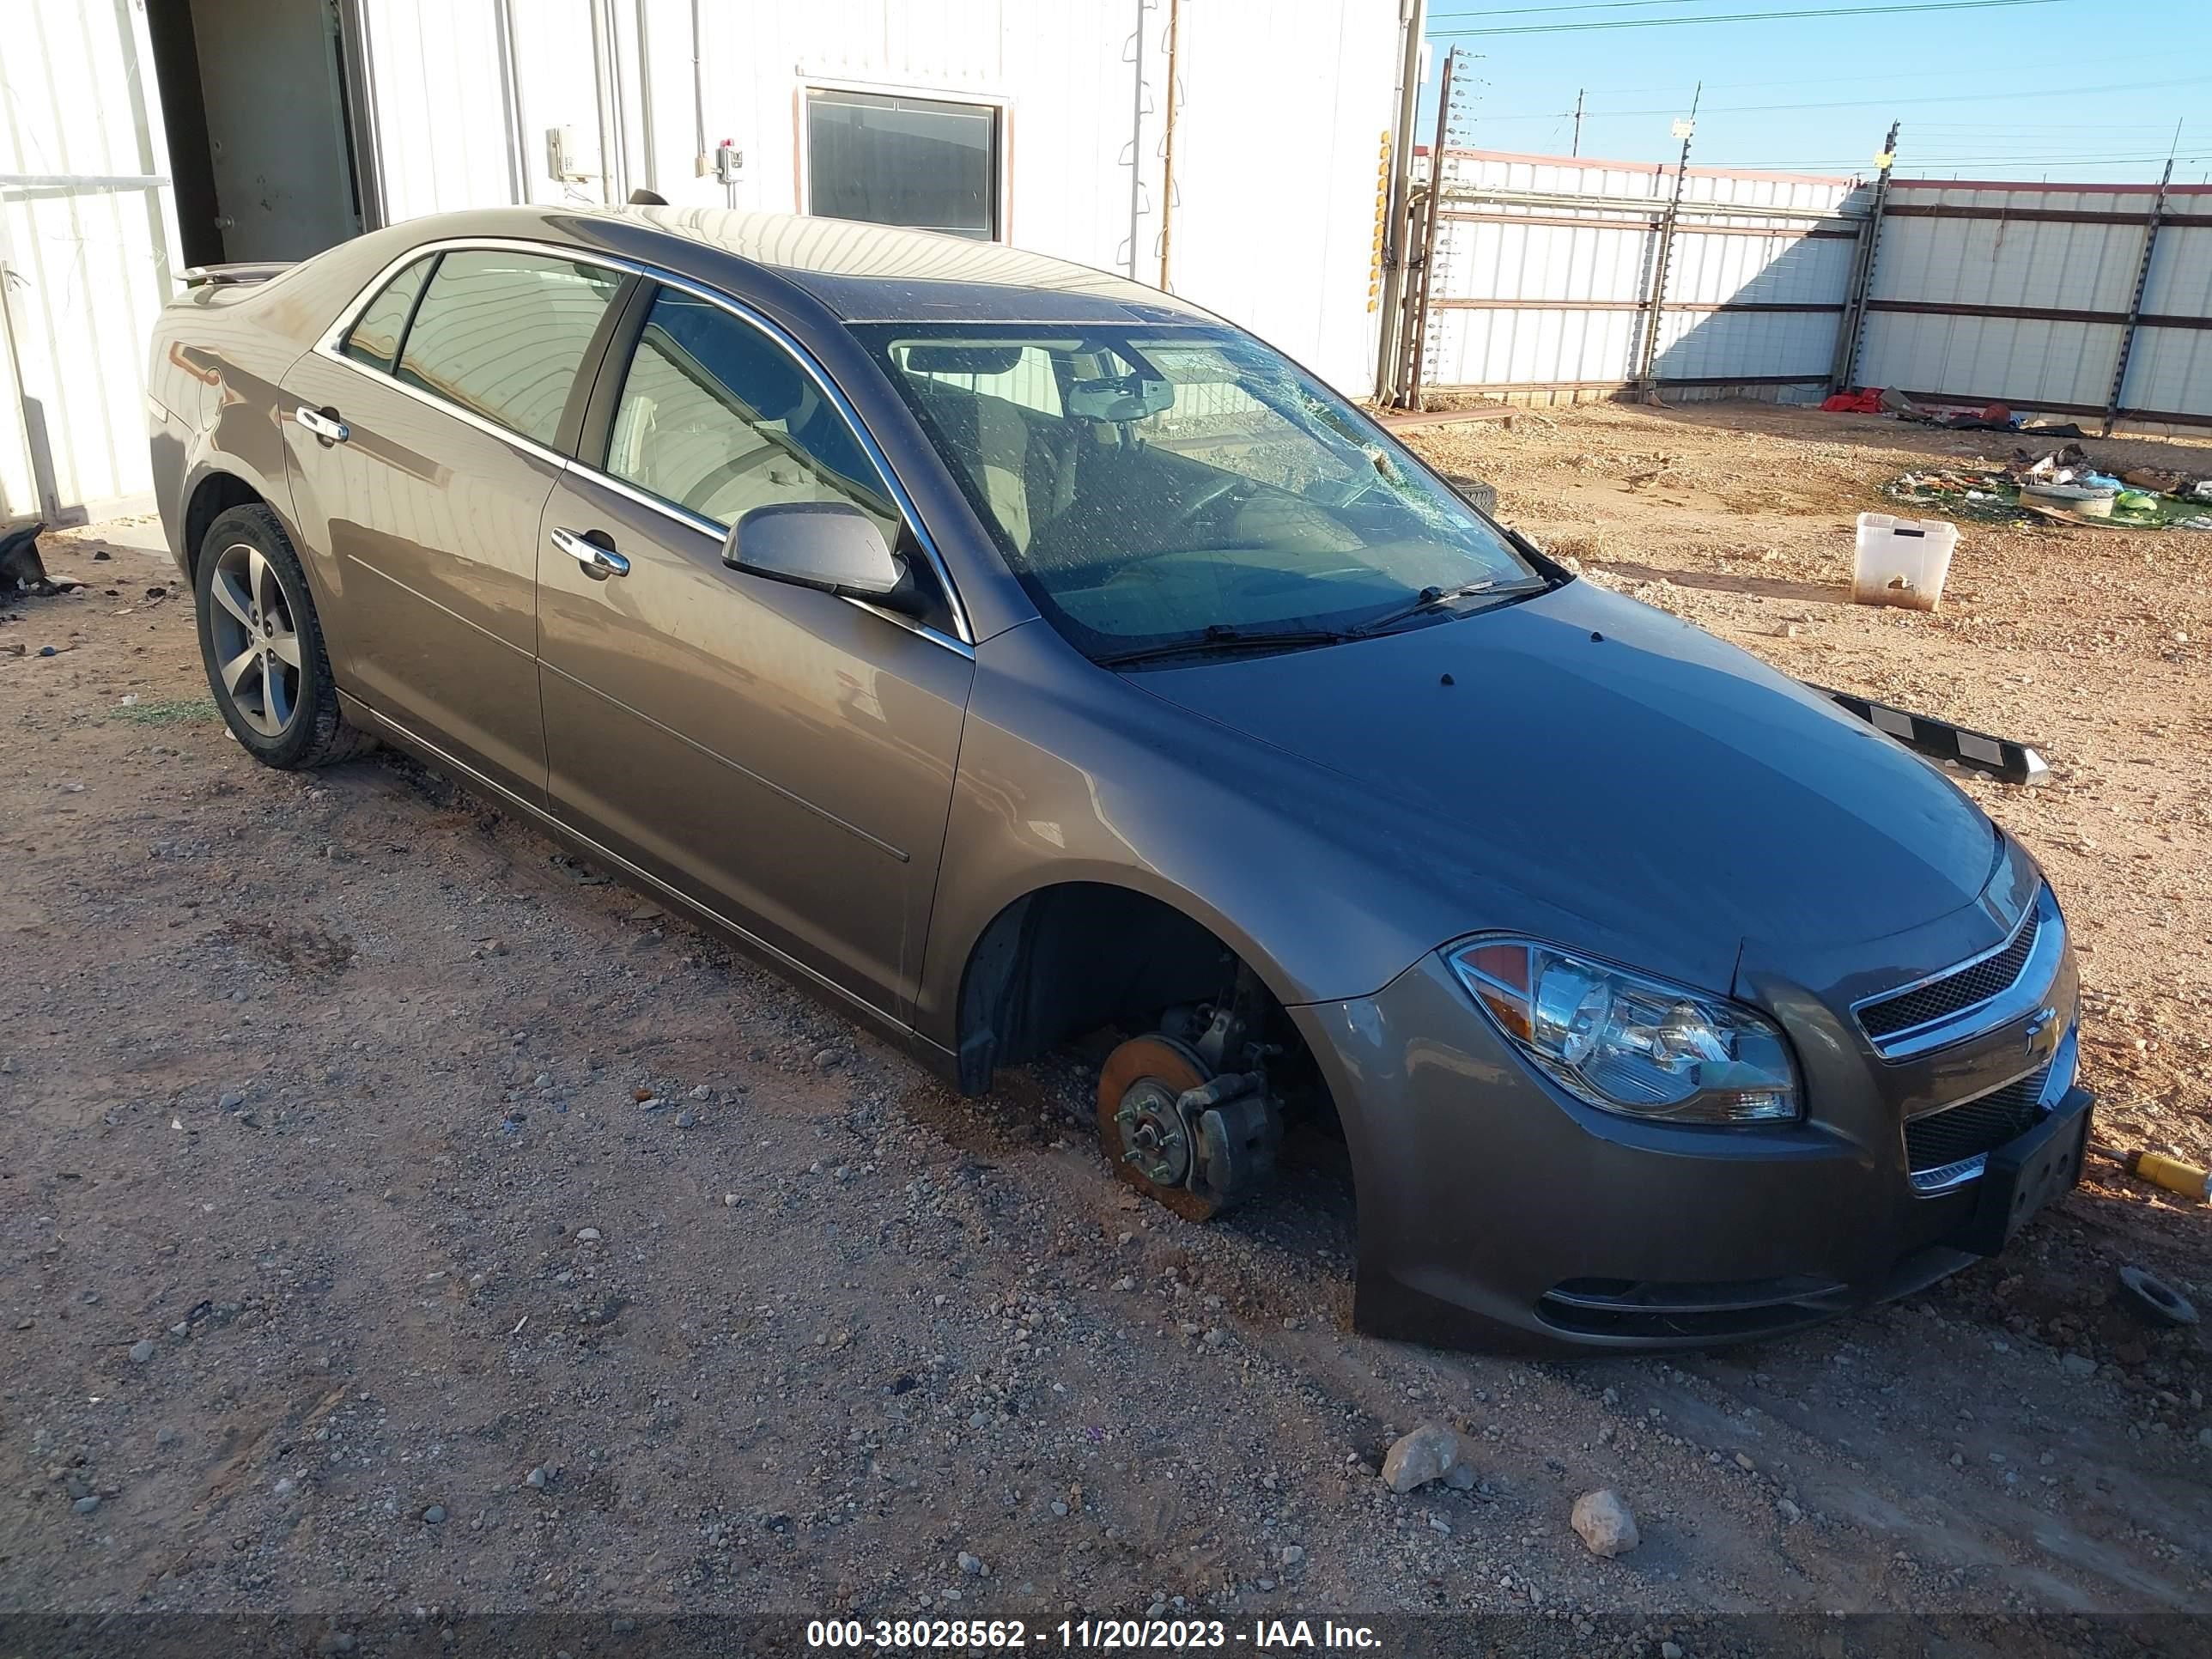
(831, 546)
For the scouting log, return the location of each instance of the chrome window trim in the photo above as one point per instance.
(2020, 998)
(328, 347)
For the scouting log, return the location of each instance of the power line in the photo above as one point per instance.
(1739, 17)
(2044, 161)
(1883, 80)
(1874, 100)
(1586, 5)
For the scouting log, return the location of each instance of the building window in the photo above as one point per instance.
(914, 161)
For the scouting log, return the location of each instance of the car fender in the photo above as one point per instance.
(1068, 774)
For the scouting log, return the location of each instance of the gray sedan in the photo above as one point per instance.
(1009, 652)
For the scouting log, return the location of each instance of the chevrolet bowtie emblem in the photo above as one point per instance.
(2042, 1021)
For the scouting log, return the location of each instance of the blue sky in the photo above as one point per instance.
(2086, 90)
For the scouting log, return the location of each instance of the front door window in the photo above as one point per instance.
(716, 417)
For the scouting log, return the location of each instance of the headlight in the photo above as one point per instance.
(1629, 1043)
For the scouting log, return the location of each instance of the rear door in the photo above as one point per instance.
(782, 755)
(423, 445)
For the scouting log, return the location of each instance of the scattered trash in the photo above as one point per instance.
(1956, 417)
(2090, 500)
(2057, 485)
(23, 572)
(2154, 1299)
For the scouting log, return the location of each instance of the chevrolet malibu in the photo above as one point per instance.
(1010, 653)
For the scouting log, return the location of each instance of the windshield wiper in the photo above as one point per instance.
(1428, 599)
(1221, 637)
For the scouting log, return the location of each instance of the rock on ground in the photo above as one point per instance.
(1432, 1452)
(1604, 1522)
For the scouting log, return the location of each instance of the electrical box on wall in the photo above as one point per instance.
(729, 162)
(566, 161)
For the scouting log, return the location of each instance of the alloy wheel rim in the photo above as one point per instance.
(257, 639)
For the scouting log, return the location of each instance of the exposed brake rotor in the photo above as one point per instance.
(1142, 1129)
(1178, 1132)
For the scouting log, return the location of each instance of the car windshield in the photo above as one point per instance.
(1157, 487)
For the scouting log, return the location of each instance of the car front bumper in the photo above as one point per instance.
(1496, 1212)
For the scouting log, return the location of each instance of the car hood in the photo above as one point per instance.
(1580, 761)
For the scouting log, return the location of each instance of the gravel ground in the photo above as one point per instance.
(344, 1269)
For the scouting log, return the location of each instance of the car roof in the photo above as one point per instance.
(860, 273)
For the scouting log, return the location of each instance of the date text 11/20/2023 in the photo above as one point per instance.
(1085, 1635)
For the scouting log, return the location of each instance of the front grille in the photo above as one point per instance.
(1943, 1138)
(1953, 993)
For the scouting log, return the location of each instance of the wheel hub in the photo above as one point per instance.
(1155, 1141)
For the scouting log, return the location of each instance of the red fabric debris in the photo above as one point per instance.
(1867, 400)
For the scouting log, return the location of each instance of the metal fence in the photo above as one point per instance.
(1550, 278)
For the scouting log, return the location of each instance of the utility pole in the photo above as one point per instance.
(2136, 300)
(1577, 148)
(1430, 220)
(1853, 328)
(1167, 152)
(1137, 133)
(1687, 130)
(1396, 242)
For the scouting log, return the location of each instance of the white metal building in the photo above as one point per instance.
(1231, 149)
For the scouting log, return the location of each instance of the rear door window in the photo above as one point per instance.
(501, 335)
(373, 339)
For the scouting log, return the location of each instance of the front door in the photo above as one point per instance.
(426, 483)
(784, 755)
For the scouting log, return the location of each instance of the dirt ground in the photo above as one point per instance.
(342, 1269)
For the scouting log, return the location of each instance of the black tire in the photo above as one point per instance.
(284, 714)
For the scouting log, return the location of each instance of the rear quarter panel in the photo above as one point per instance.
(215, 379)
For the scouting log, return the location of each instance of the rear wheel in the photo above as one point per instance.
(263, 646)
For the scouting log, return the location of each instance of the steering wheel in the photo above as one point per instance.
(1206, 497)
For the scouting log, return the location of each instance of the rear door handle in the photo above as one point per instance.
(599, 560)
(324, 423)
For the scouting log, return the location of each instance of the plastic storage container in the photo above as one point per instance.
(1902, 560)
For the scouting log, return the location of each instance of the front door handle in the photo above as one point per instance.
(324, 423)
(598, 559)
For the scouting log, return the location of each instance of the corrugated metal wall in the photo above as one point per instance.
(1547, 266)
(1063, 73)
(1543, 282)
(86, 230)
(2022, 293)
(2171, 369)
(458, 94)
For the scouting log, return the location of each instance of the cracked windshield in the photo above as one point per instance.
(1162, 492)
